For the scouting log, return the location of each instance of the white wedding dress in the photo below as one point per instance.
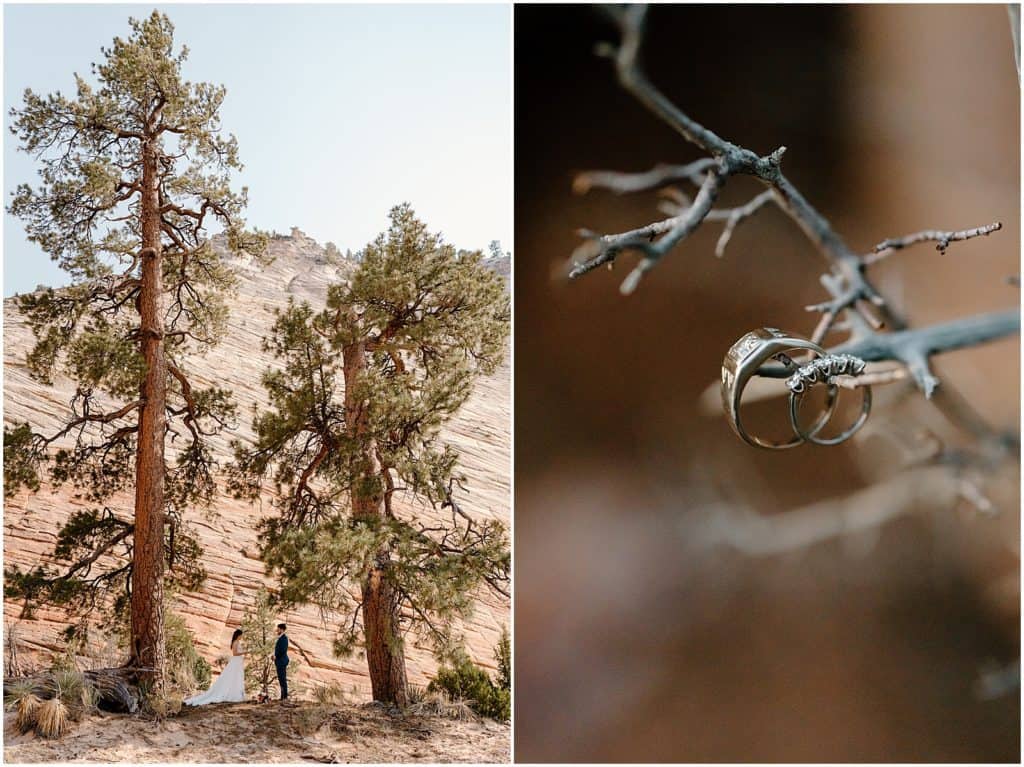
(229, 687)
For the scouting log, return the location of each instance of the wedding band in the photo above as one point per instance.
(812, 435)
(742, 362)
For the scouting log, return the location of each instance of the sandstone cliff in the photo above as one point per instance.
(301, 269)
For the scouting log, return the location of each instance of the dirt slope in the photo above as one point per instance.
(247, 733)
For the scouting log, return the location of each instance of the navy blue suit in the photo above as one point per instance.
(281, 663)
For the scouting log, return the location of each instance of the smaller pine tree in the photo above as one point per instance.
(459, 678)
(503, 654)
(258, 624)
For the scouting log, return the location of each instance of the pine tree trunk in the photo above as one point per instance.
(385, 655)
(147, 623)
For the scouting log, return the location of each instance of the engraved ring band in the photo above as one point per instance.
(742, 362)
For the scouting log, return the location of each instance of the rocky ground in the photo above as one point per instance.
(303, 731)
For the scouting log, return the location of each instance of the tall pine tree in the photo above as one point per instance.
(355, 415)
(133, 171)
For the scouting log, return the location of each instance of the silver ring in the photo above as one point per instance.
(825, 369)
(744, 359)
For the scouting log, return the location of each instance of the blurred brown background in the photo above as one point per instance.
(642, 634)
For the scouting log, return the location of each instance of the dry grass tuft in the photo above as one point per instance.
(309, 720)
(438, 705)
(162, 706)
(417, 694)
(329, 694)
(70, 686)
(90, 697)
(28, 710)
(52, 719)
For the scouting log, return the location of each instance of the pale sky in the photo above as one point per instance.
(340, 111)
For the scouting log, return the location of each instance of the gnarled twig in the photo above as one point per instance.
(888, 247)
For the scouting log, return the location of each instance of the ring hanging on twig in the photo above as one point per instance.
(745, 358)
(825, 369)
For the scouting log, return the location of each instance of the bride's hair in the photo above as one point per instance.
(238, 633)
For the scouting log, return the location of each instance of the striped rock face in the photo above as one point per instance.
(301, 270)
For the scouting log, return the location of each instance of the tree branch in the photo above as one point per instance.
(914, 347)
(867, 509)
(851, 292)
(890, 246)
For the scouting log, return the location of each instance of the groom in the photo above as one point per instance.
(281, 659)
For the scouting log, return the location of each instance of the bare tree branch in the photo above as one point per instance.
(914, 347)
(870, 508)
(852, 296)
(888, 247)
(658, 177)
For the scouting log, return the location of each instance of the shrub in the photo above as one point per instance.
(90, 697)
(162, 706)
(503, 654)
(499, 706)
(17, 689)
(309, 720)
(464, 680)
(433, 704)
(76, 692)
(186, 668)
(416, 694)
(328, 694)
(67, 683)
(52, 718)
(28, 710)
(64, 695)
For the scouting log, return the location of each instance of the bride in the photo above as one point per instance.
(229, 687)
